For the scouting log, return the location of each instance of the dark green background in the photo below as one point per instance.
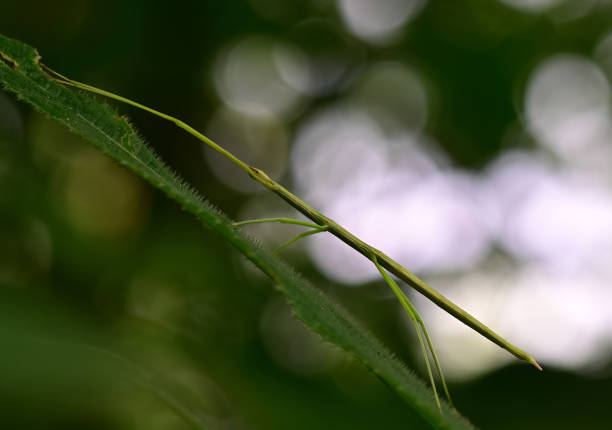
(53, 309)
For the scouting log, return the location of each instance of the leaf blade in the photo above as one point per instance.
(20, 73)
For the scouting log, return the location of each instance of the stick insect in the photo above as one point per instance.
(321, 223)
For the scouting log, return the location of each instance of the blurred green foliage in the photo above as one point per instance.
(91, 291)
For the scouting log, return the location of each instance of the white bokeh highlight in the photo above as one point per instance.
(258, 75)
(567, 105)
(378, 21)
(545, 214)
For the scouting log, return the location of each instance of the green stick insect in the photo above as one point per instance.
(321, 223)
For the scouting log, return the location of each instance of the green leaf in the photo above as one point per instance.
(21, 73)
